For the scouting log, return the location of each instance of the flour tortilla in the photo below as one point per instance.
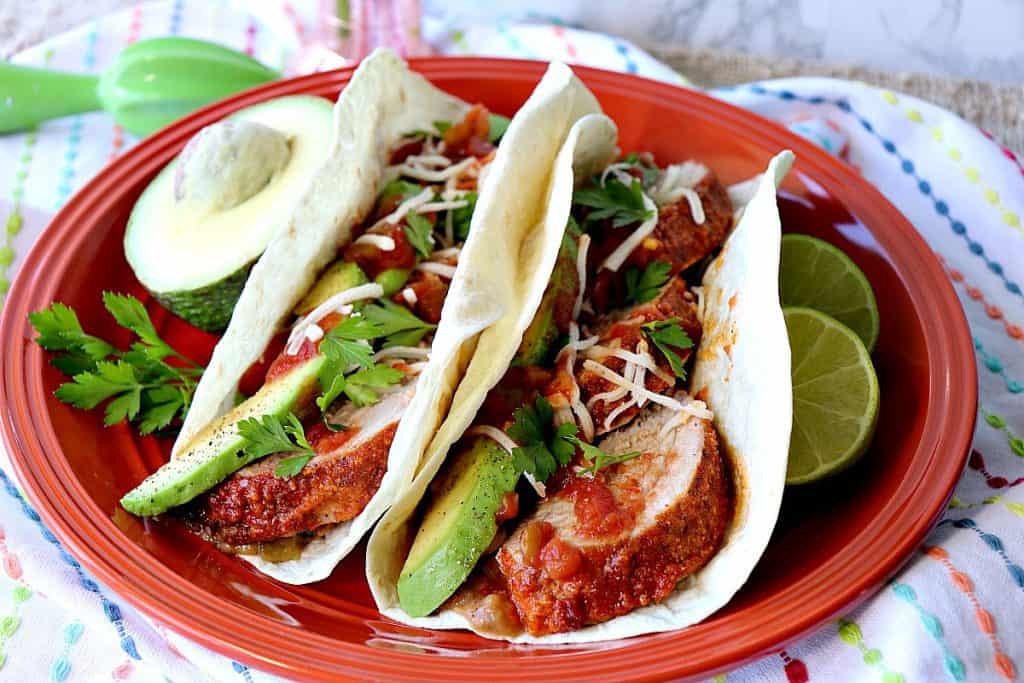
(383, 101)
(742, 369)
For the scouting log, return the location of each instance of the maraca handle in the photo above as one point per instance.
(29, 95)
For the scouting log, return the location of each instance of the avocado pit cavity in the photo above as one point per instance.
(226, 163)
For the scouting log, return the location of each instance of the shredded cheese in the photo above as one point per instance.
(442, 254)
(442, 269)
(619, 409)
(575, 404)
(409, 294)
(644, 360)
(408, 205)
(691, 409)
(402, 352)
(382, 242)
(452, 171)
(314, 333)
(431, 160)
(622, 252)
(581, 272)
(441, 206)
(632, 387)
(335, 303)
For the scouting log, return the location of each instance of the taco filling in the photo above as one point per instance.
(592, 482)
(363, 333)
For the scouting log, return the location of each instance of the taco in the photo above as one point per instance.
(358, 321)
(614, 457)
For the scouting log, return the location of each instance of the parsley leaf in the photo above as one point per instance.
(398, 325)
(345, 344)
(642, 287)
(332, 383)
(419, 231)
(666, 335)
(442, 126)
(140, 385)
(359, 387)
(289, 467)
(59, 330)
(402, 188)
(461, 218)
(498, 124)
(624, 205)
(270, 434)
(598, 458)
(543, 447)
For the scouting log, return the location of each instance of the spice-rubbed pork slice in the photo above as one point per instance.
(257, 506)
(677, 240)
(622, 347)
(601, 547)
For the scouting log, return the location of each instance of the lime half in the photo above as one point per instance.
(816, 274)
(835, 396)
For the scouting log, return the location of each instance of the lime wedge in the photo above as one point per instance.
(816, 274)
(835, 396)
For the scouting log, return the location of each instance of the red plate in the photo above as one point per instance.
(835, 544)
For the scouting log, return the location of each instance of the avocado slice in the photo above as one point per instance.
(392, 280)
(198, 227)
(457, 527)
(216, 451)
(540, 336)
(338, 277)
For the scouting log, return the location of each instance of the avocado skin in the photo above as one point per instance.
(209, 307)
(215, 453)
(457, 527)
(540, 336)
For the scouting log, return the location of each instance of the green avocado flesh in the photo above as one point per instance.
(457, 527)
(542, 333)
(198, 227)
(338, 277)
(215, 452)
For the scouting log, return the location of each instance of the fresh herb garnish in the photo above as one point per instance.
(642, 287)
(542, 446)
(667, 335)
(270, 435)
(398, 325)
(140, 384)
(650, 171)
(624, 205)
(599, 459)
(289, 467)
(442, 126)
(498, 124)
(346, 343)
(361, 386)
(462, 217)
(419, 231)
(401, 188)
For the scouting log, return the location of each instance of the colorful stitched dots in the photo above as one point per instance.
(850, 633)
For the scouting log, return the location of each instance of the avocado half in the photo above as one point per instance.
(199, 226)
